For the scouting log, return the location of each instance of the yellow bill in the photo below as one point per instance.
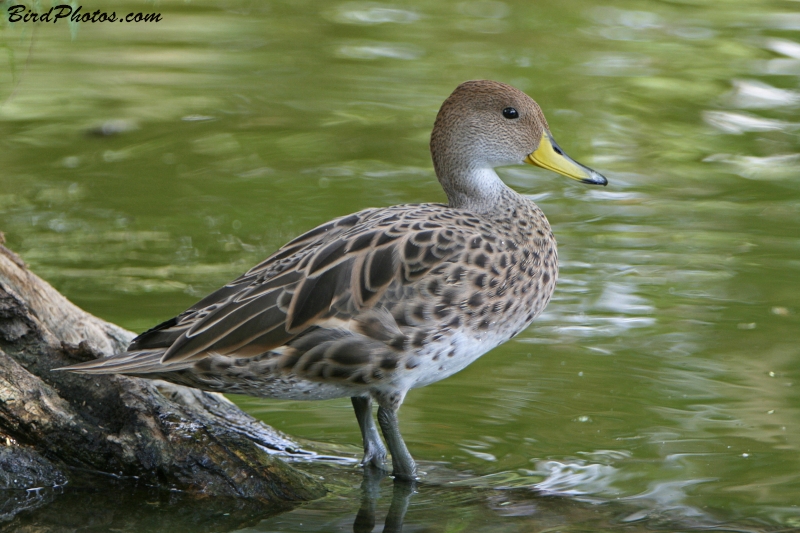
(550, 156)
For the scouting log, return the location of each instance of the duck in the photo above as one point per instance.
(376, 303)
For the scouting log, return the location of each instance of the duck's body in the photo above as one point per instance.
(402, 297)
(376, 303)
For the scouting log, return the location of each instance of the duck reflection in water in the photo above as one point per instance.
(370, 494)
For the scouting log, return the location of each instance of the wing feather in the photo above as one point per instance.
(342, 270)
(315, 296)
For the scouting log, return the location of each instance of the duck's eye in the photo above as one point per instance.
(510, 112)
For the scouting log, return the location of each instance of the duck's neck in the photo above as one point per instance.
(475, 188)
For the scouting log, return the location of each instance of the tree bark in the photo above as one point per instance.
(64, 429)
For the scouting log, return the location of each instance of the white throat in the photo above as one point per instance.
(478, 188)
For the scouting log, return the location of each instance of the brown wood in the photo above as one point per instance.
(64, 429)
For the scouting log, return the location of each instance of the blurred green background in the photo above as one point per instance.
(143, 165)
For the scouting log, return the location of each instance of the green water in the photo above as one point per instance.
(661, 387)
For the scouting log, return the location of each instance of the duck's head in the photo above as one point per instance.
(486, 124)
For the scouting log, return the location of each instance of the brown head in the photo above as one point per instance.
(486, 124)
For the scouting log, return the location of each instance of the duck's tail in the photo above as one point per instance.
(136, 362)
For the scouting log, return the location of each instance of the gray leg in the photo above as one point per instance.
(374, 451)
(403, 467)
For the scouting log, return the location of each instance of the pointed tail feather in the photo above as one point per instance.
(138, 362)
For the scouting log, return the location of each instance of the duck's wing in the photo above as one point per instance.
(331, 277)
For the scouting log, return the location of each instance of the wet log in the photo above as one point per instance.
(59, 428)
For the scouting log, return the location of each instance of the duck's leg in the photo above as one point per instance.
(374, 450)
(403, 466)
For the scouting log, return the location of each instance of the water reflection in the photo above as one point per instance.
(378, 50)
(738, 123)
(755, 94)
(140, 171)
(552, 496)
(576, 478)
(128, 509)
(372, 13)
(771, 168)
(370, 489)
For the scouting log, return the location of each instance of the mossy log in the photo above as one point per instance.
(59, 428)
